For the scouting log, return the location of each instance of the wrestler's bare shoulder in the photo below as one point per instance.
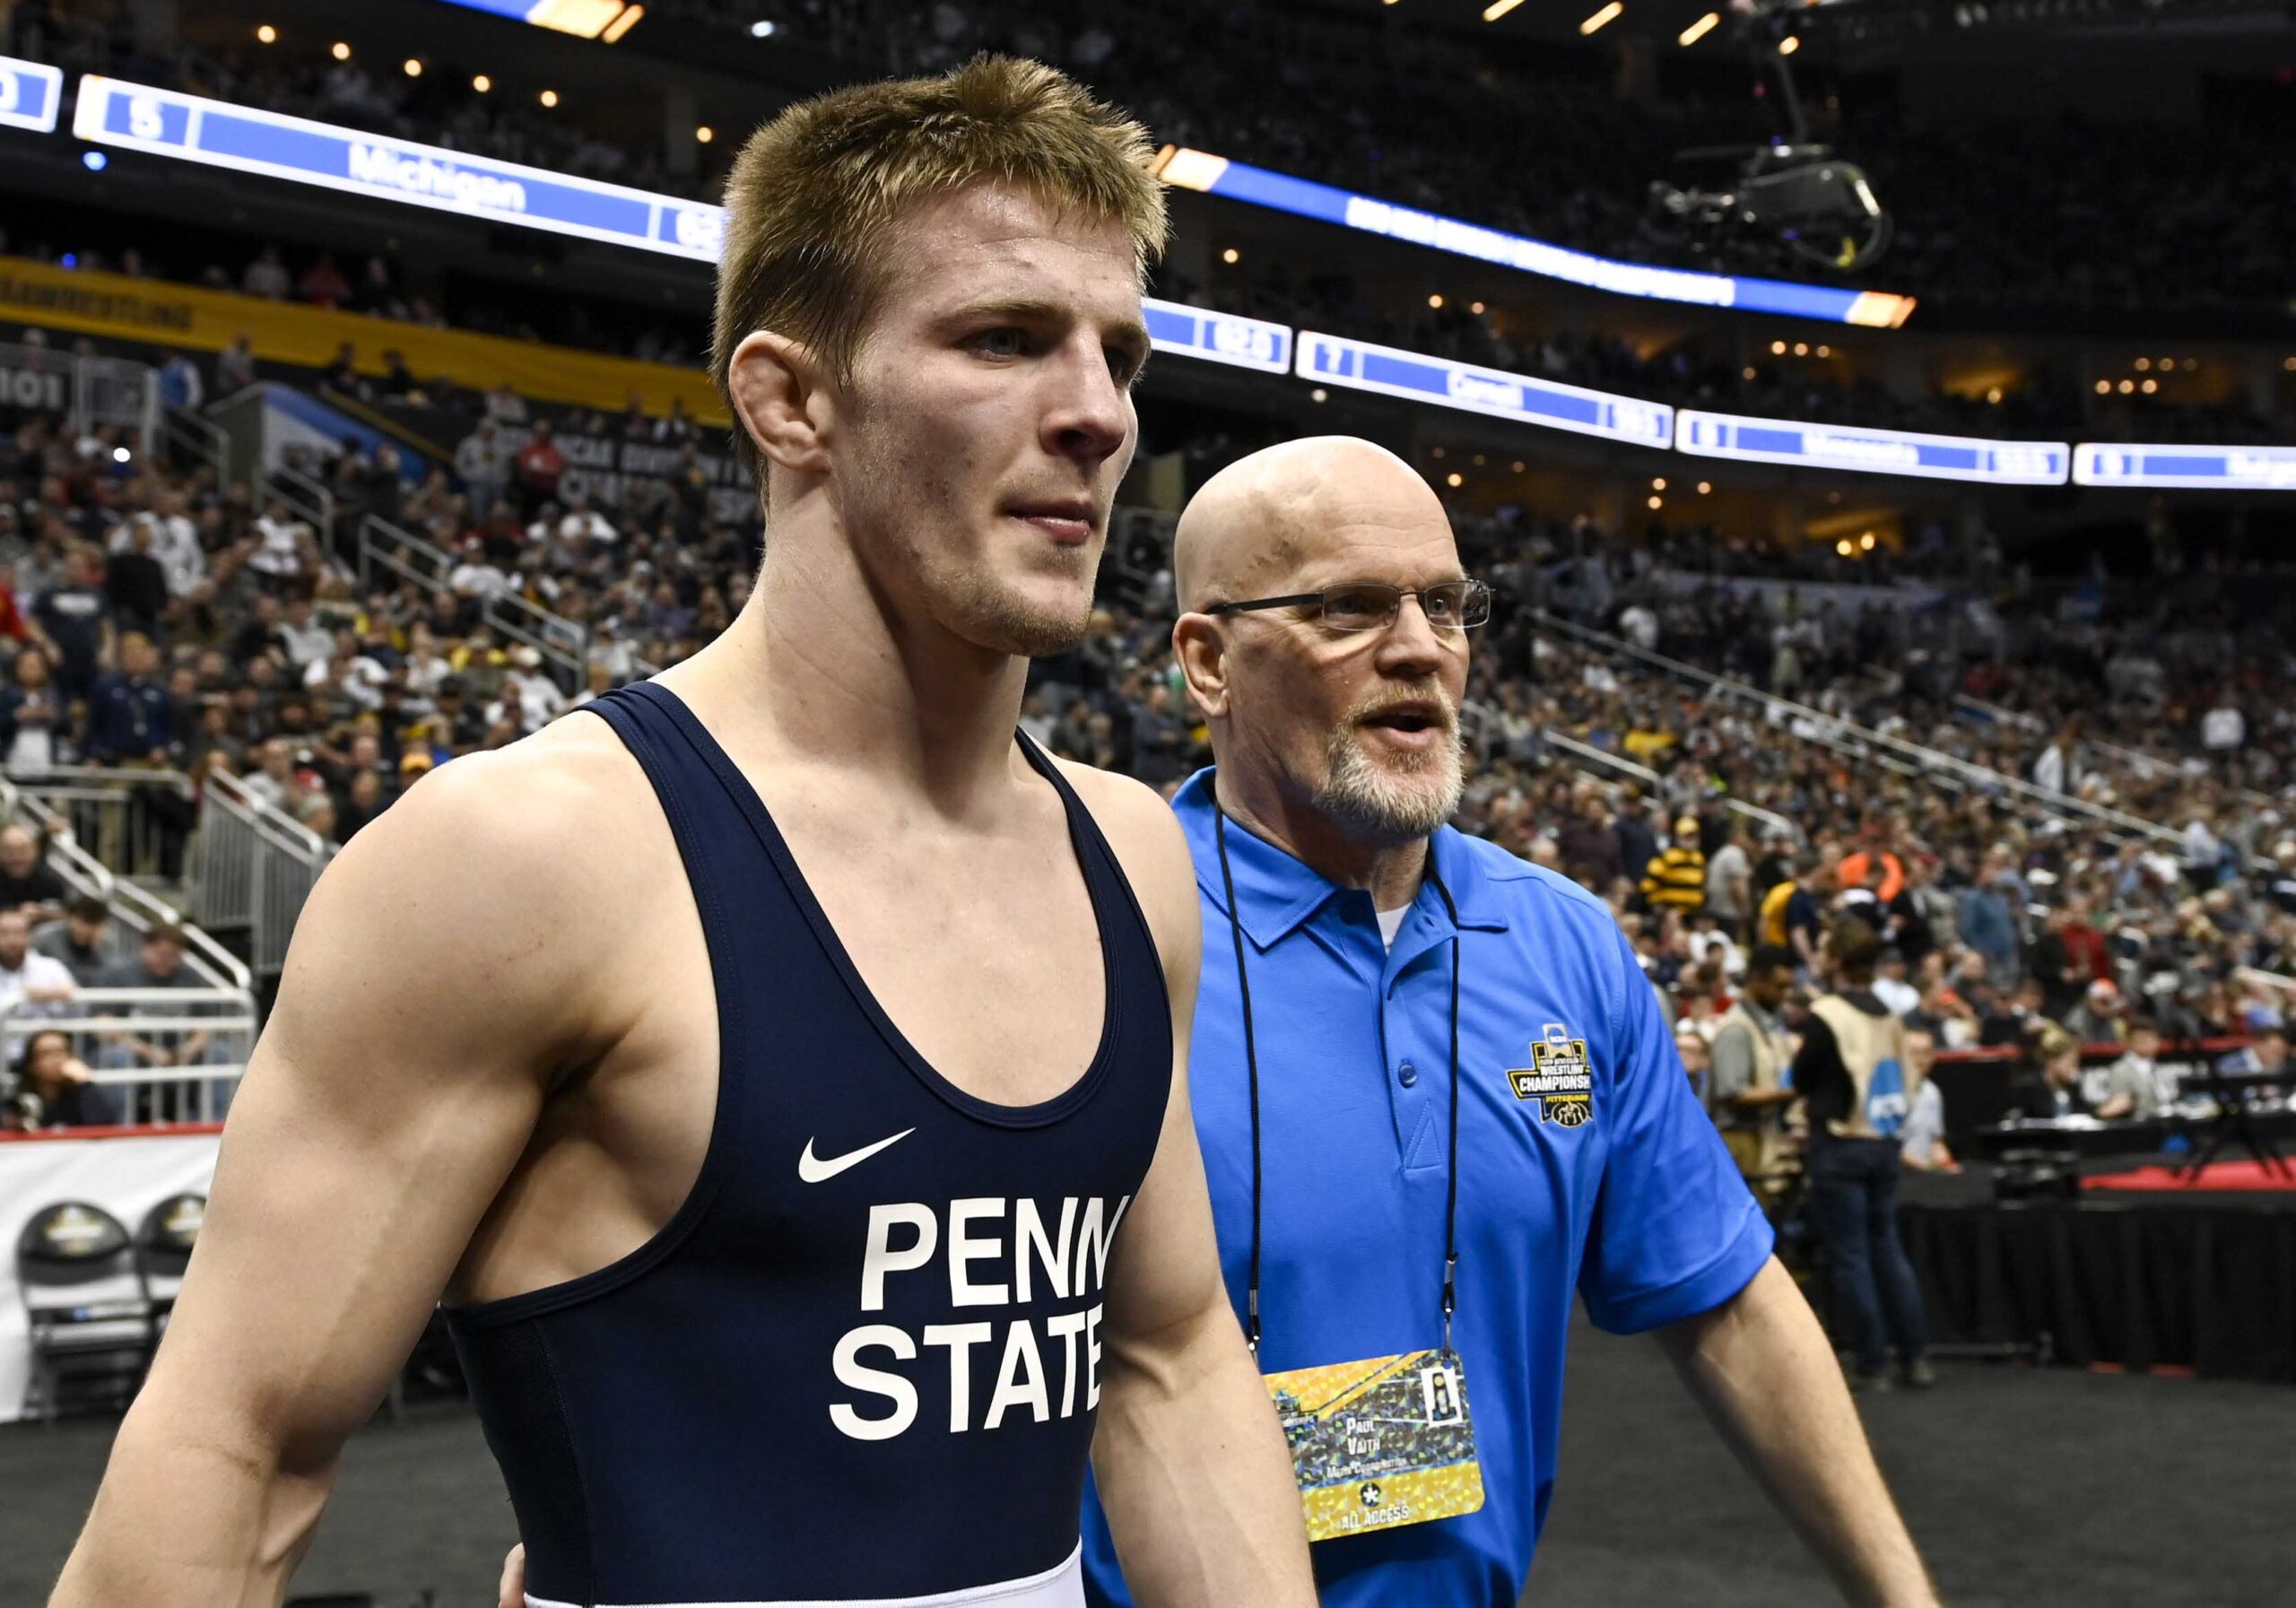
(545, 855)
(1146, 835)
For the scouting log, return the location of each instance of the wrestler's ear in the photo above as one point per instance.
(1201, 651)
(781, 394)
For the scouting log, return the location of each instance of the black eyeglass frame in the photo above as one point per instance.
(1475, 592)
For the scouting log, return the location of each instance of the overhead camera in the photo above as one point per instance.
(1789, 202)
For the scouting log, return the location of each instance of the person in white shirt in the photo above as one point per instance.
(1891, 988)
(36, 985)
(580, 522)
(308, 642)
(1922, 1142)
(527, 692)
(279, 537)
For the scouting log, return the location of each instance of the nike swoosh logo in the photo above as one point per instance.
(814, 1169)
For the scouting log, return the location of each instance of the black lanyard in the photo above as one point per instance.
(1251, 1068)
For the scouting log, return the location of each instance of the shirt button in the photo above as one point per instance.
(1407, 1074)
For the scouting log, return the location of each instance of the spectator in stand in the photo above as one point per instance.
(540, 467)
(1752, 1052)
(322, 283)
(2013, 1018)
(1921, 1146)
(136, 585)
(158, 964)
(79, 940)
(1793, 912)
(2052, 1088)
(284, 549)
(34, 983)
(131, 719)
(1675, 877)
(308, 639)
(1588, 846)
(483, 460)
(1729, 897)
(62, 1090)
(266, 276)
(2138, 1085)
(1891, 989)
(341, 372)
(528, 697)
(272, 782)
(2267, 1052)
(76, 622)
(31, 716)
(235, 368)
(27, 883)
(1988, 920)
(2099, 1017)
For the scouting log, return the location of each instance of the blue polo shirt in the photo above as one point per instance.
(1638, 1208)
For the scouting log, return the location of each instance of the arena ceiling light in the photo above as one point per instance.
(764, 28)
(1699, 29)
(1498, 9)
(1602, 18)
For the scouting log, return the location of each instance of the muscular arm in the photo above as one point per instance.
(1765, 1373)
(1190, 1461)
(422, 1010)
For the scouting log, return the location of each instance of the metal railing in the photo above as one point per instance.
(1586, 755)
(134, 910)
(195, 441)
(1928, 762)
(87, 390)
(564, 644)
(255, 867)
(307, 499)
(136, 823)
(171, 1054)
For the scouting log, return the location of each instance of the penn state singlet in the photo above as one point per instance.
(860, 1363)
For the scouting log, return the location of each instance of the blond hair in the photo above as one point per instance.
(815, 192)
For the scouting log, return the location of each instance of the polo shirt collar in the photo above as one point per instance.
(1277, 893)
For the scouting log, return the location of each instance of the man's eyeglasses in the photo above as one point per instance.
(1450, 605)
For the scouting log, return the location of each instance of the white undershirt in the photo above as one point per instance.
(1391, 923)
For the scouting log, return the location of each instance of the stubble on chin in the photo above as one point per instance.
(1397, 801)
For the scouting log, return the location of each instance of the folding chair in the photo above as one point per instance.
(163, 1244)
(90, 1320)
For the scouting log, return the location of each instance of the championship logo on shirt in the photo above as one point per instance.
(1558, 1078)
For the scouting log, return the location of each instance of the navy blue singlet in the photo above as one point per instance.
(860, 1363)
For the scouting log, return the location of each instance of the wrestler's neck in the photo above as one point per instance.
(818, 668)
(1388, 871)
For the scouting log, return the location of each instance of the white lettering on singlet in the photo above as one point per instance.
(1068, 1263)
(891, 1385)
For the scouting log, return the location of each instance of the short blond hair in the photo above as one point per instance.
(814, 193)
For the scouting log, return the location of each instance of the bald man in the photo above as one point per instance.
(1433, 1094)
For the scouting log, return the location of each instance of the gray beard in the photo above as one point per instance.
(1378, 803)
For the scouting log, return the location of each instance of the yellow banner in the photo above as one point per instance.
(203, 320)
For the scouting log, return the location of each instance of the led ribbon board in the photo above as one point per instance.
(1223, 337)
(1218, 175)
(1873, 451)
(167, 123)
(2207, 468)
(1363, 367)
(586, 19)
(30, 92)
(245, 140)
